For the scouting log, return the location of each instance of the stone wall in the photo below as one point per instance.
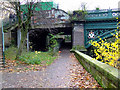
(107, 76)
(7, 38)
(78, 34)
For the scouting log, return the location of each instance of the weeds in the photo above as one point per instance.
(38, 58)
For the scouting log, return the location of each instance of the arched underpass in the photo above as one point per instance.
(38, 38)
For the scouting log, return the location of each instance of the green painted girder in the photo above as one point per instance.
(103, 36)
(101, 27)
(99, 18)
(101, 23)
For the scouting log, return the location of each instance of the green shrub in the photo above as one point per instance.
(53, 46)
(37, 58)
(107, 52)
(10, 53)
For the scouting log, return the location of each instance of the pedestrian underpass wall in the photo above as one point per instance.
(107, 76)
(78, 34)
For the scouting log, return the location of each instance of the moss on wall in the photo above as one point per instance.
(107, 76)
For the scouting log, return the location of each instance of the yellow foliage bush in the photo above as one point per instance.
(108, 52)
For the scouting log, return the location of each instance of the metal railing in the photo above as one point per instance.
(102, 14)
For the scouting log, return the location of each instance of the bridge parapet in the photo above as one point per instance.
(48, 18)
(98, 23)
(104, 14)
(43, 19)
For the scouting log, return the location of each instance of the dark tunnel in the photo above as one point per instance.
(38, 38)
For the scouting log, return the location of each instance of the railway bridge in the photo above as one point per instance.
(96, 23)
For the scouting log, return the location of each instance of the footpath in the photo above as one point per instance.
(64, 72)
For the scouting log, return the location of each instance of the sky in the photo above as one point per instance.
(70, 5)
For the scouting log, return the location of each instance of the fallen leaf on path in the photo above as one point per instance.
(80, 77)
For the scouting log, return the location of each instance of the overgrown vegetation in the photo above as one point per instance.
(36, 57)
(53, 46)
(79, 48)
(78, 14)
(10, 53)
(39, 58)
(107, 52)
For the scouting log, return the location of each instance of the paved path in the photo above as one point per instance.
(57, 75)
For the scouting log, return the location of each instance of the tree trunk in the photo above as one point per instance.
(22, 44)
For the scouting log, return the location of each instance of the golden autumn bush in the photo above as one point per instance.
(108, 52)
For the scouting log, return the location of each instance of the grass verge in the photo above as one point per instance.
(34, 58)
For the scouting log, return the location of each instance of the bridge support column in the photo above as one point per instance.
(78, 34)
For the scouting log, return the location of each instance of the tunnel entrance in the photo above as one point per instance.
(65, 42)
(65, 39)
(39, 41)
